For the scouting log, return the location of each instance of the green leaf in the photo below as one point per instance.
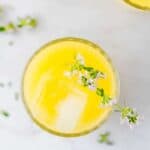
(4, 113)
(105, 99)
(84, 80)
(132, 119)
(22, 22)
(88, 68)
(128, 114)
(33, 23)
(2, 29)
(100, 92)
(77, 66)
(104, 138)
(27, 21)
(126, 111)
(10, 27)
(94, 74)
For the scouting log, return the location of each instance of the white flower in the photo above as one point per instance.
(92, 87)
(112, 102)
(91, 81)
(80, 58)
(100, 75)
(131, 126)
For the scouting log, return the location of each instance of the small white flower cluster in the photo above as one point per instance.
(126, 121)
(130, 117)
(92, 84)
(88, 77)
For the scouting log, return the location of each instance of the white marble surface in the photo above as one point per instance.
(124, 32)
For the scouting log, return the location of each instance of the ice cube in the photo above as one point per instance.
(70, 110)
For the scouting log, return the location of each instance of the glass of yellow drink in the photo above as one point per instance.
(141, 4)
(58, 103)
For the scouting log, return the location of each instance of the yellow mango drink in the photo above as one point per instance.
(141, 4)
(53, 94)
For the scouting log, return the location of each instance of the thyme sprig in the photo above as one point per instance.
(10, 27)
(104, 138)
(27, 21)
(22, 22)
(127, 115)
(88, 77)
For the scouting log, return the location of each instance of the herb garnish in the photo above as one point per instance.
(10, 27)
(4, 113)
(127, 115)
(27, 21)
(88, 77)
(104, 138)
(22, 22)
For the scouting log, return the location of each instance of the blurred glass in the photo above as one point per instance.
(141, 4)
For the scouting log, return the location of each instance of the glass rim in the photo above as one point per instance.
(49, 44)
(137, 6)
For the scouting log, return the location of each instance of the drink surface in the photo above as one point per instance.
(58, 103)
(143, 4)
